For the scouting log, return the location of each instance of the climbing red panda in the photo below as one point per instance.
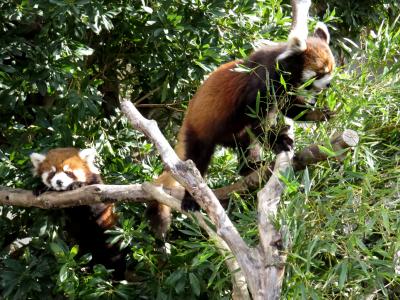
(220, 112)
(64, 169)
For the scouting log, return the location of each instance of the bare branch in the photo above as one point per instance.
(134, 192)
(149, 94)
(189, 177)
(308, 156)
(84, 196)
(268, 201)
(239, 281)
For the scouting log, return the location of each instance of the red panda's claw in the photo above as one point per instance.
(189, 205)
(76, 185)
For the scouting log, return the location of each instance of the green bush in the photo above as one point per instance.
(65, 64)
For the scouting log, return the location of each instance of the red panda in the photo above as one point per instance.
(64, 169)
(219, 112)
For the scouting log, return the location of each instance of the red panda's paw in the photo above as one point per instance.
(282, 143)
(40, 190)
(188, 204)
(76, 185)
(328, 114)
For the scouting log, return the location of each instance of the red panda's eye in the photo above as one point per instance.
(70, 174)
(51, 175)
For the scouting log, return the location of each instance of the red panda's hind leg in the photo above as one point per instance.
(200, 152)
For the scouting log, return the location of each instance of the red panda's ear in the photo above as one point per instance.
(321, 31)
(296, 44)
(37, 159)
(89, 155)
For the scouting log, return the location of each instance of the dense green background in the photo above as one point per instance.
(63, 67)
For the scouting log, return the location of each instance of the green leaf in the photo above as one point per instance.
(57, 250)
(63, 275)
(74, 250)
(84, 51)
(343, 274)
(194, 283)
(283, 82)
(327, 151)
(257, 103)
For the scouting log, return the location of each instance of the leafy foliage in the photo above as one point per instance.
(65, 64)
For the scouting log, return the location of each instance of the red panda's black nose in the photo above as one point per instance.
(328, 84)
(59, 182)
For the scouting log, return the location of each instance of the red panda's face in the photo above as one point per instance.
(318, 63)
(61, 167)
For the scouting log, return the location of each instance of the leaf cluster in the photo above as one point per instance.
(64, 65)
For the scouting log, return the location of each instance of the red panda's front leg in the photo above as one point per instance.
(76, 185)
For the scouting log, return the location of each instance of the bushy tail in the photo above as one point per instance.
(159, 216)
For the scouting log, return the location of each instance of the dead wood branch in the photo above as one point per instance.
(306, 157)
(134, 192)
(84, 196)
(188, 176)
(240, 290)
(271, 258)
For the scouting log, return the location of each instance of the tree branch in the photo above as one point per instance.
(340, 142)
(134, 192)
(83, 196)
(239, 281)
(188, 176)
(268, 200)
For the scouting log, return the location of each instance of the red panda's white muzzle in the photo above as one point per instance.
(60, 181)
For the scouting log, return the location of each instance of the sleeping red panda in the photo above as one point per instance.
(64, 169)
(219, 113)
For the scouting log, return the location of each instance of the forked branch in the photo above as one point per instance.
(134, 193)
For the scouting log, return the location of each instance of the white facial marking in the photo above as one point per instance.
(93, 168)
(307, 75)
(80, 175)
(66, 168)
(323, 82)
(60, 181)
(44, 179)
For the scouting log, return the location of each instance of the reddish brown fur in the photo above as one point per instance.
(210, 106)
(318, 56)
(108, 218)
(214, 101)
(217, 112)
(80, 222)
(61, 157)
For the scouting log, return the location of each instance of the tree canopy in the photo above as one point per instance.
(64, 65)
